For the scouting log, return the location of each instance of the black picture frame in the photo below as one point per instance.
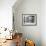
(29, 19)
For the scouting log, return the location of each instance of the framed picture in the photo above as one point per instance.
(29, 19)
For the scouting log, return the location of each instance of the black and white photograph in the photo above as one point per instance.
(29, 19)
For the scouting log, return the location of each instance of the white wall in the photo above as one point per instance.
(6, 13)
(43, 22)
(28, 7)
